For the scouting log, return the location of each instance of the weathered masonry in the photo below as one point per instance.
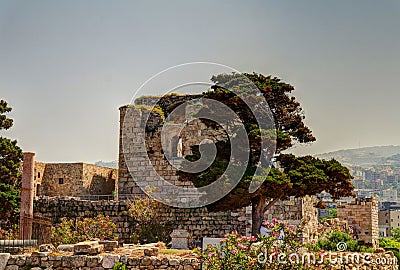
(74, 179)
(362, 216)
(163, 153)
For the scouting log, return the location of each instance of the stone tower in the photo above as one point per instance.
(362, 216)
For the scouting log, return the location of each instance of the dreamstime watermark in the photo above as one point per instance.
(341, 258)
(182, 112)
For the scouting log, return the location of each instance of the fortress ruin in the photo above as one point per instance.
(80, 180)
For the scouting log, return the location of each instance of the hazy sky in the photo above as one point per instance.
(66, 66)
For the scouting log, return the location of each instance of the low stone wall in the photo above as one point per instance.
(42, 260)
(198, 221)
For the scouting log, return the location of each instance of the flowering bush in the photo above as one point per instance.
(270, 251)
(71, 232)
(143, 210)
(148, 227)
(9, 234)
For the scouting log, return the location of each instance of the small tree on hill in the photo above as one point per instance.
(296, 176)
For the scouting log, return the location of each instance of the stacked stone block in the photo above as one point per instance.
(45, 260)
(362, 215)
(198, 221)
(74, 179)
(293, 210)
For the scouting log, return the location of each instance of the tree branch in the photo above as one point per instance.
(271, 203)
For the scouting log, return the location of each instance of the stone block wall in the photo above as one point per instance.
(143, 150)
(62, 179)
(293, 210)
(198, 221)
(362, 215)
(74, 179)
(39, 173)
(99, 180)
(45, 260)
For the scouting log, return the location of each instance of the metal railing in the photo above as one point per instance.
(84, 197)
(120, 197)
(16, 246)
(97, 197)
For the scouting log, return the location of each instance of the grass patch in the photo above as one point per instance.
(177, 252)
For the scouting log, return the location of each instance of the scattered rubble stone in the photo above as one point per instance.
(66, 248)
(89, 247)
(46, 248)
(109, 245)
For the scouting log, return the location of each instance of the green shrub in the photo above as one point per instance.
(392, 245)
(329, 243)
(149, 228)
(71, 231)
(389, 243)
(119, 266)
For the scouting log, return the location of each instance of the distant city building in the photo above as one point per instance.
(365, 193)
(388, 220)
(391, 180)
(370, 175)
(358, 183)
(377, 183)
(389, 195)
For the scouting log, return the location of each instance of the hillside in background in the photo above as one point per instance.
(366, 156)
(111, 164)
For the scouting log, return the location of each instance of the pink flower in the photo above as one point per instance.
(242, 246)
(233, 251)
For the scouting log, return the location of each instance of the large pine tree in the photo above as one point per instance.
(296, 176)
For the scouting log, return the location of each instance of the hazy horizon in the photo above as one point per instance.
(66, 67)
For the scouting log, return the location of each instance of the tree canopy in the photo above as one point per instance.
(10, 169)
(290, 175)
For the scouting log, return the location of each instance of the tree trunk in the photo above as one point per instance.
(257, 214)
(258, 208)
